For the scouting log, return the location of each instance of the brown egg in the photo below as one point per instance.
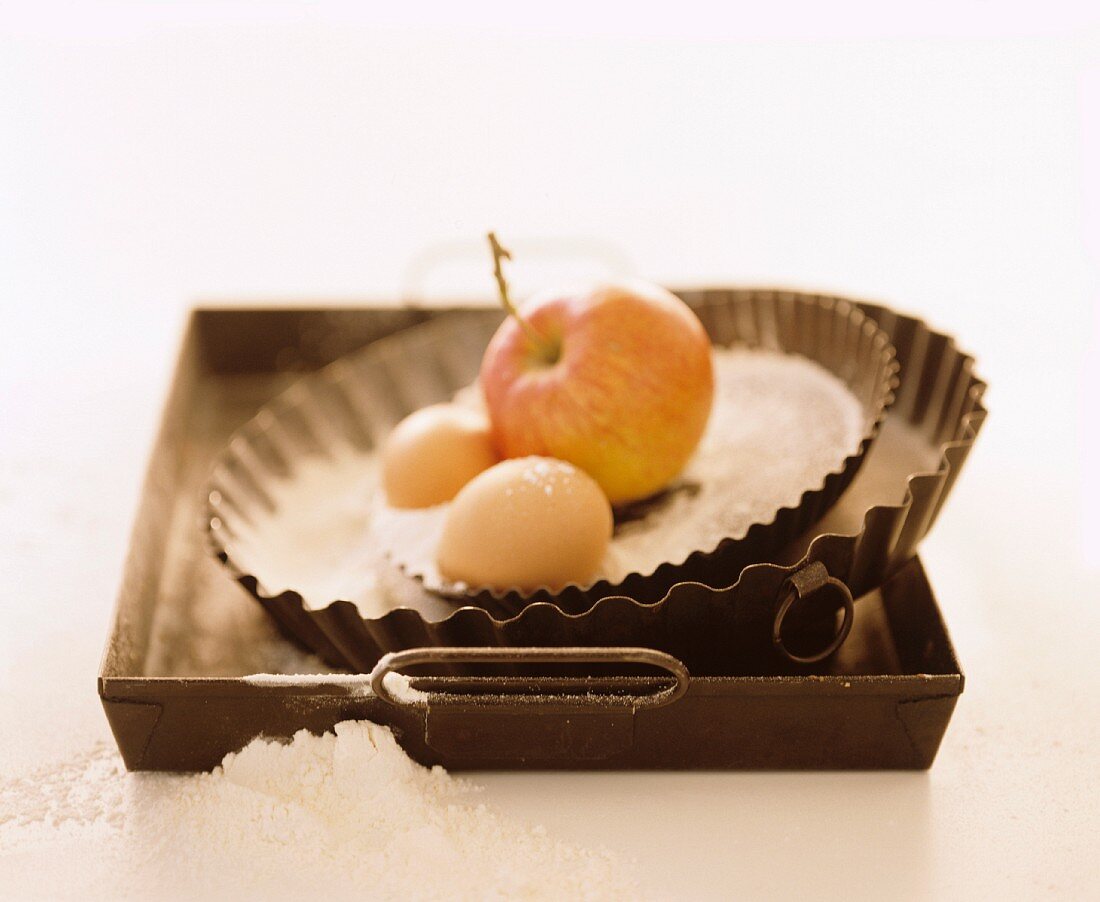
(433, 453)
(526, 523)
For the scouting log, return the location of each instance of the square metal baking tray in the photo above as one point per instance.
(884, 701)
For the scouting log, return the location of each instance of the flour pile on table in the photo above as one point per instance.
(343, 815)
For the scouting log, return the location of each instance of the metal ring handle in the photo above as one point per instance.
(801, 585)
(394, 661)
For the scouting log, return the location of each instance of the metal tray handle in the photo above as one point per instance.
(395, 661)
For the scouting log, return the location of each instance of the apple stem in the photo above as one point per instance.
(500, 253)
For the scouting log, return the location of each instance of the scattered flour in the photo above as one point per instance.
(358, 684)
(780, 424)
(400, 687)
(339, 816)
(81, 791)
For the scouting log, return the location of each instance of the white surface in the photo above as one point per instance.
(946, 164)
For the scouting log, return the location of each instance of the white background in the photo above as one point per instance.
(945, 159)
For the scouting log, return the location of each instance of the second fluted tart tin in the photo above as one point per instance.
(876, 526)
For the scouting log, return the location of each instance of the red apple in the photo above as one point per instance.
(617, 380)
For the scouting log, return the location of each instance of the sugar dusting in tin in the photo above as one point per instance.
(780, 424)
